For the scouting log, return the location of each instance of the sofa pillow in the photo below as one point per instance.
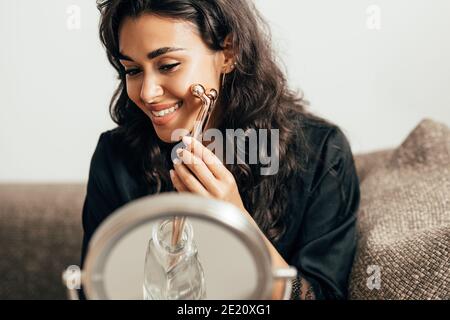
(404, 221)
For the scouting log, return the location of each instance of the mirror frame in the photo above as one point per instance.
(160, 206)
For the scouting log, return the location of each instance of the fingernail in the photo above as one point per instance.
(176, 161)
(171, 173)
(187, 140)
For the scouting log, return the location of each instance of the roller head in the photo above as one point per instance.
(197, 90)
(212, 94)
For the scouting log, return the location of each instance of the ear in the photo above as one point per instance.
(229, 55)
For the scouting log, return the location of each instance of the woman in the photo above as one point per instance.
(306, 210)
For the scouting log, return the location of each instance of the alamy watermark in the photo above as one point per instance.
(73, 21)
(373, 21)
(72, 277)
(259, 142)
(374, 280)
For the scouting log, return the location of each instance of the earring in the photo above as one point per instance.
(223, 79)
(223, 74)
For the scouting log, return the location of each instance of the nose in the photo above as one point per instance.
(150, 89)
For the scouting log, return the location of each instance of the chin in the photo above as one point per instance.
(167, 135)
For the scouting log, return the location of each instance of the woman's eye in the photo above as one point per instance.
(168, 67)
(164, 68)
(132, 72)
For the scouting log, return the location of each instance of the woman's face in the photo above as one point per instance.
(163, 58)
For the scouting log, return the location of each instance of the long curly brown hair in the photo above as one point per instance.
(255, 95)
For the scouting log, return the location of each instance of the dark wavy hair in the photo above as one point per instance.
(255, 95)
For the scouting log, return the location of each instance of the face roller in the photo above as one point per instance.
(208, 101)
(202, 121)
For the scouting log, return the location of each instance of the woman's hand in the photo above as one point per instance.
(201, 172)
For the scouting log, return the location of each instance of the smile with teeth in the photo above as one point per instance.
(167, 111)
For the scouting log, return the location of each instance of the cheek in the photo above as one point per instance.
(133, 91)
(199, 70)
(181, 86)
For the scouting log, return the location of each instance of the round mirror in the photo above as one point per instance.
(218, 255)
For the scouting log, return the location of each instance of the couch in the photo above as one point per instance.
(403, 226)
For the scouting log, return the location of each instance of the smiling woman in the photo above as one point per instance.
(159, 48)
(161, 58)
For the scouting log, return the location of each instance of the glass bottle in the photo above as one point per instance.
(172, 272)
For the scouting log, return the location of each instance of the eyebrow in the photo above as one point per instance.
(153, 54)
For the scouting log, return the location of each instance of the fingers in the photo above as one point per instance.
(207, 156)
(177, 183)
(199, 169)
(189, 180)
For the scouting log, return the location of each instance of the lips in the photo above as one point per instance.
(159, 107)
(165, 119)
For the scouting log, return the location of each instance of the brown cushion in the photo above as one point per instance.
(40, 236)
(404, 220)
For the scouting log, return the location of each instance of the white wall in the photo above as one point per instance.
(376, 84)
(56, 83)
